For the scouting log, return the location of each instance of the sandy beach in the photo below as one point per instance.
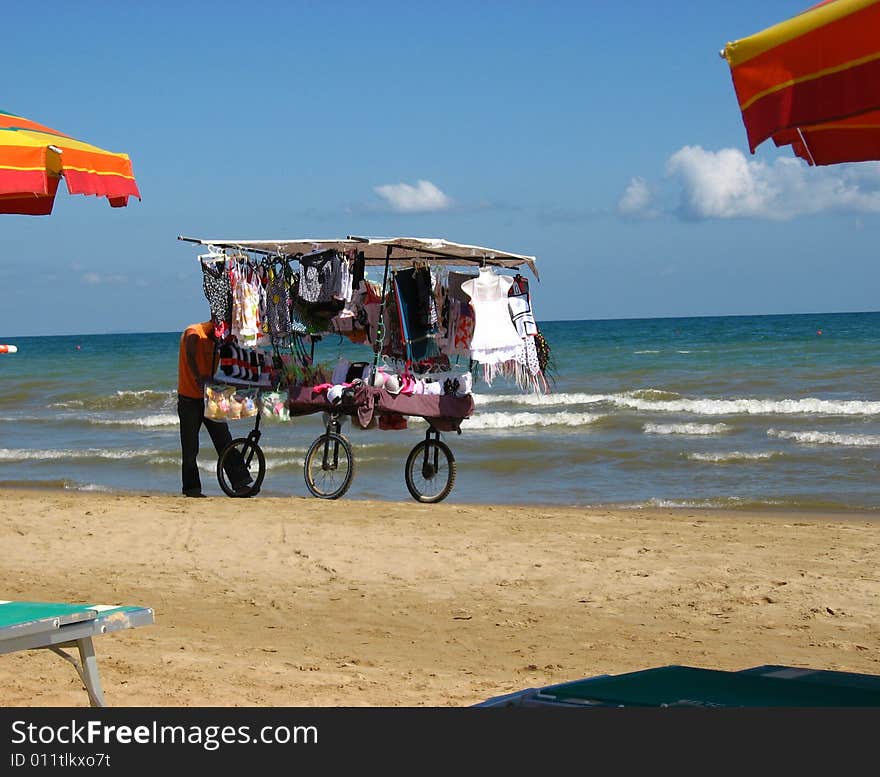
(302, 602)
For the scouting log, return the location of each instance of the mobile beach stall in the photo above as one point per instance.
(443, 315)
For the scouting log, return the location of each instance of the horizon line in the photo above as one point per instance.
(8, 338)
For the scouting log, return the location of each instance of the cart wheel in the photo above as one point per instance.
(430, 471)
(329, 466)
(251, 454)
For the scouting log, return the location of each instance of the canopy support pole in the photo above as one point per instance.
(806, 146)
(380, 325)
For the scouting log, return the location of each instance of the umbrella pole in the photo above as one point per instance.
(380, 325)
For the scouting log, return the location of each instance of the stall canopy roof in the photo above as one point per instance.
(375, 250)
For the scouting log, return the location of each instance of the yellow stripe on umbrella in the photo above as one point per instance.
(799, 79)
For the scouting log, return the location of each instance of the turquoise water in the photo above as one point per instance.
(726, 411)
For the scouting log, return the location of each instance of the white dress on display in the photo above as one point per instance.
(495, 339)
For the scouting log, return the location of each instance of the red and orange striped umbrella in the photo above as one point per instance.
(813, 82)
(33, 158)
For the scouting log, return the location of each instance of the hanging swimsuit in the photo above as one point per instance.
(316, 276)
(278, 307)
(218, 292)
(246, 300)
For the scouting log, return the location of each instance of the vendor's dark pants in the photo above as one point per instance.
(191, 413)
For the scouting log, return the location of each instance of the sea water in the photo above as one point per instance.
(742, 411)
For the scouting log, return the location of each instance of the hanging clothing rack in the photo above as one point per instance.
(383, 252)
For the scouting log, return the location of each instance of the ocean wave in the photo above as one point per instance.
(656, 395)
(721, 502)
(73, 419)
(655, 400)
(807, 406)
(541, 400)
(120, 400)
(166, 419)
(749, 503)
(207, 462)
(27, 454)
(827, 438)
(36, 484)
(15, 395)
(520, 420)
(91, 487)
(723, 458)
(165, 461)
(693, 429)
(276, 463)
(278, 450)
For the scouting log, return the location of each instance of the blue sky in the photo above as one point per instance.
(604, 138)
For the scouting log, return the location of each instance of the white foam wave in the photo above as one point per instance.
(25, 454)
(720, 458)
(827, 438)
(694, 429)
(207, 463)
(166, 419)
(275, 450)
(807, 405)
(146, 393)
(165, 460)
(662, 403)
(726, 502)
(540, 400)
(118, 397)
(651, 394)
(649, 351)
(519, 420)
(287, 462)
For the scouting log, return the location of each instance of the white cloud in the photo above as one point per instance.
(421, 198)
(637, 200)
(93, 278)
(725, 184)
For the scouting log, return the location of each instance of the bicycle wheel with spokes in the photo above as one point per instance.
(329, 466)
(241, 468)
(430, 471)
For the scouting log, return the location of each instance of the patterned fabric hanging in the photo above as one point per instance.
(246, 304)
(218, 291)
(278, 307)
(520, 303)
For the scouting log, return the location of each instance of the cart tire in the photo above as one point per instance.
(329, 467)
(432, 483)
(254, 460)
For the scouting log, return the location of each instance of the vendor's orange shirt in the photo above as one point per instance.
(187, 385)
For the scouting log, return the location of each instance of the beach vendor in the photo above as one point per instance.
(196, 365)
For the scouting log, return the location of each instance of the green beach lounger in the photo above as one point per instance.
(684, 686)
(35, 625)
